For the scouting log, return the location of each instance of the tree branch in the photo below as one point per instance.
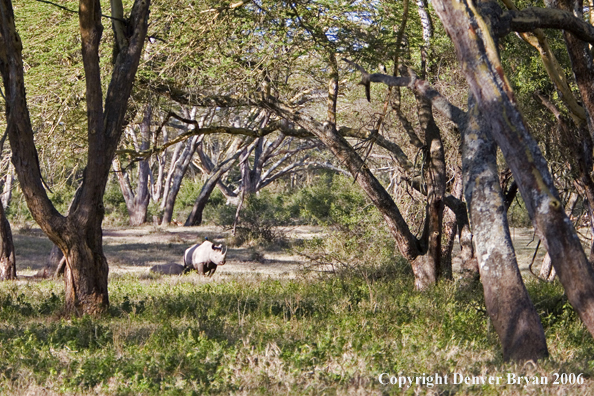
(420, 87)
(534, 18)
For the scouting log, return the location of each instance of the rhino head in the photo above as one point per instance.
(218, 255)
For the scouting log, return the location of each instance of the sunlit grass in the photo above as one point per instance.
(238, 335)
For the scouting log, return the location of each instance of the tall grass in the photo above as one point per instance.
(238, 335)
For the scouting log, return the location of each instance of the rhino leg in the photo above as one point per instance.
(210, 269)
(200, 268)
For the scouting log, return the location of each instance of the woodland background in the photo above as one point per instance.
(260, 117)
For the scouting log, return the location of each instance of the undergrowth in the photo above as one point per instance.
(236, 335)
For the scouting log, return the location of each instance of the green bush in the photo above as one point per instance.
(517, 214)
(116, 212)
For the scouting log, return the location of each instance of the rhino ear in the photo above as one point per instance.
(215, 247)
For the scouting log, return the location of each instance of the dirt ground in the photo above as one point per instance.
(135, 250)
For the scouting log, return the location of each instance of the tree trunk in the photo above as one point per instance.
(7, 190)
(79, 234)
(408, 245)
(477, 53)
(86, 270)
(137, 203)
(435, 179)
(142, 197)
(512, 313)
(195, 218)
(7, 258)
(581, 59)
(547, 272)
(178, 175)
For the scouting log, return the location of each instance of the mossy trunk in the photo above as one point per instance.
(512, 313)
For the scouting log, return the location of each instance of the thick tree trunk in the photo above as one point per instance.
(86, 269)
(478, 55)
(512, 313)
(79, 234)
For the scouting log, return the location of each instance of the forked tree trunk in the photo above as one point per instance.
(195, 217)
(512, 313)
(79, 234)
(477, 53)
(137, 203)
(180, 170)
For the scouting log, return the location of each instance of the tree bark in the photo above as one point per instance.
(78, 235)
(581, 59)
(408, 245)
(178, 174)
(547, 272)
(435, 179)
(7, 258)
(195, 217)
(477, 53)
(137, 203)
(512, 313)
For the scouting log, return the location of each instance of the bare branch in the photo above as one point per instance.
(534, 18)
(420, 87)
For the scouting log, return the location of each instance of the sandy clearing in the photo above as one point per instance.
(135, 250)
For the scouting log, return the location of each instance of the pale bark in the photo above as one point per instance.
(512, 313)
(477, 53)
(179, 171)
(137, 203)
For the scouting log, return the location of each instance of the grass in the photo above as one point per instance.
(306, 336)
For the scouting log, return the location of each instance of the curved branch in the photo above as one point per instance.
(418, 86)
(534, 18)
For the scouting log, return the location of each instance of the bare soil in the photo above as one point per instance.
(135, 250)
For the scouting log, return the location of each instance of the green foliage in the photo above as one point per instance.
(265, 336)
(115, 205)
(517, 214)
(330, 200)
(355, 241)
(17, 211)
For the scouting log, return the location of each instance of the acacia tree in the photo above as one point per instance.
(477, 52)
(78, 234)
